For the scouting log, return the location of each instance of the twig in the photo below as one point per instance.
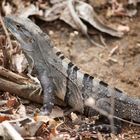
(113, 50)
(21, 90)
(6, 55)
(8, 39)
(13, 76)
(6, 32)
(21, 86)
(17, 84)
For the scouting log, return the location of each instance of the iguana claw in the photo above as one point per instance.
(37, 90)
(47, 108)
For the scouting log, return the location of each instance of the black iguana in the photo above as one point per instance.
(59, 76)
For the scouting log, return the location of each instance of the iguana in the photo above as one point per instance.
(60, 77)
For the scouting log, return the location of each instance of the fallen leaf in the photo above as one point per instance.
(53, 13)
(4, 118)
(123, 28)
(19, 62)
(21, 111)
(12, 102)
(29, 11)
(6, 7)
(87, 13)
(74, 116)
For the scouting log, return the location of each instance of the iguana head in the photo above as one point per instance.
(23, 29)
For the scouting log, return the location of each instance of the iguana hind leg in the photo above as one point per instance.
(103, 107)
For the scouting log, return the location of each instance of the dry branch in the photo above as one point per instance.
(21, 86)
(8, 54)
(23, 90)
(12, 76)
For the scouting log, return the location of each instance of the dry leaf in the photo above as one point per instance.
(74, 116)
(29, 11)
(54, 13)
(12, 102)
(19, 62)
(87, 13)
(65, 16)
(21, 111)
(56, 112)
(26, 126)
(4, 118)
(71, 12)
(6, 7)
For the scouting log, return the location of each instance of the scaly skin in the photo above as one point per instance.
(60, 77)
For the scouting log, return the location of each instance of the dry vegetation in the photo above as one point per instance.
(112, 55)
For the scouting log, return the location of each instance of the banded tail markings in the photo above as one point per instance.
(58, 53)
(85, 79)
(70, 65)
(62, 57)
(75, 68)
(91, 77)
(87, 85)
(118, 90)
(103, 83)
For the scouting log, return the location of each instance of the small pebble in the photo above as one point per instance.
(73, 34)
(51, 32)
(76, 32)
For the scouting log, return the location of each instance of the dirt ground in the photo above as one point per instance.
(120, 69)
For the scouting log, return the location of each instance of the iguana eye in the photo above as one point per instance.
(18, 26)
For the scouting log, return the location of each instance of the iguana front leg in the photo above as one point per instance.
(48, 91)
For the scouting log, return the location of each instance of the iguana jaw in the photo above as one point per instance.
(12, 27)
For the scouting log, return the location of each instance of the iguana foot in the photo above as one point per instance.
(106, 128)
(37, 90)
(47, 108)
